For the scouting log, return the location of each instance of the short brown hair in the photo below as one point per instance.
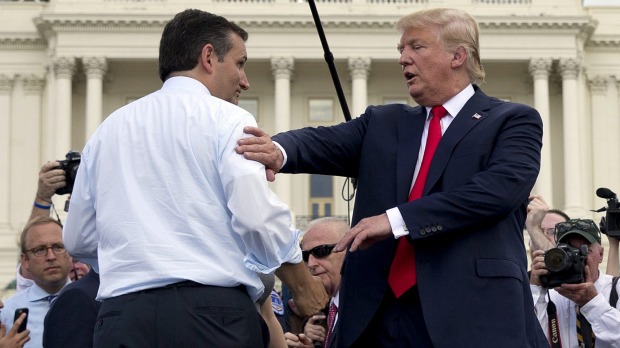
(36, 221)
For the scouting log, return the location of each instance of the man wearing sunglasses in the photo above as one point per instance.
(317, 247)
(590, 298)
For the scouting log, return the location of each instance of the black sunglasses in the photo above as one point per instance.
(319, 251)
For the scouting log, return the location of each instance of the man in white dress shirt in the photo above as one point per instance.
(590, 298)
(179, 222)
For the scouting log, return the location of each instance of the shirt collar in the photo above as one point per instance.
(36, 293)
(336, 299)
(456, 103)
(186, 83)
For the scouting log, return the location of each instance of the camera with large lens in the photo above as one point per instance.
(70, 166)
(566, 265)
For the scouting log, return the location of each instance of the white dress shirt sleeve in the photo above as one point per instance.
(258, 217)
(79, 232)
(605, 320)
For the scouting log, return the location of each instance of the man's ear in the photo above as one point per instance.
(25, 264)
(207, 57)
(459, 57)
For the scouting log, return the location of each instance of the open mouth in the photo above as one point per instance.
(409, 76)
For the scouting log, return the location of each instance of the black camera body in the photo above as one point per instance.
(566, 265)
(70, 166)
(611, 224)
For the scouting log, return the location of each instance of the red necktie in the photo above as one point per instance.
(333, 310)
(402, 272)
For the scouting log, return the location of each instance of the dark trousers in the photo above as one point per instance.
(399, 322)
(180, 315)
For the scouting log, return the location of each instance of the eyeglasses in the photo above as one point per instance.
(40, 251)
(550, 231)
(319, 251)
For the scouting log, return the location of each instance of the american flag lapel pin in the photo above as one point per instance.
(476, 116)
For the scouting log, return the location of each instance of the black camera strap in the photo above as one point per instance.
(613, 296)
(554, 328)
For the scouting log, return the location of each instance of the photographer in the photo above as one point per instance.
(590, 297)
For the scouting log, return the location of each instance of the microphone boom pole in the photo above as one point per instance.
(329, 58)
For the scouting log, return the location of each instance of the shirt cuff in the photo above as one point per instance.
(397, 223)
(283, 154)
(595, 307)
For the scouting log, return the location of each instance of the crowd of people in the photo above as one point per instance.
(183, 234)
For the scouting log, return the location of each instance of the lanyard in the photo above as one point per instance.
(554, 328)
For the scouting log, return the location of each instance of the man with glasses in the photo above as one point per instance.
(317, 247)
(540, 223)
(571, 313)
(45, 258)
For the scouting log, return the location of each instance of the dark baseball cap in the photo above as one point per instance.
(585, 228)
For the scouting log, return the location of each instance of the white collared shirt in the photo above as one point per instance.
(453, 106)
(605, 320)
(33, 298)
(161, 196)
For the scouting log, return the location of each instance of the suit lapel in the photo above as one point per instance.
(410, 128)
(473, 113)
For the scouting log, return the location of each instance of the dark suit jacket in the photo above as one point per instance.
(467, 228)
(70, 322)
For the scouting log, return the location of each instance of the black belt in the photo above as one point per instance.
(192, 284)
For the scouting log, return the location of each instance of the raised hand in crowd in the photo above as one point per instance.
(315, 329)
(51, 178)
(301, 340)
(12, 339)
(536, 211)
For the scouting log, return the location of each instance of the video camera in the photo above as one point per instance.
(610, 224)
(566, 265)
(70, 166)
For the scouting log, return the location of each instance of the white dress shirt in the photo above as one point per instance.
(161, 197)
(453, 106)
(605, 320)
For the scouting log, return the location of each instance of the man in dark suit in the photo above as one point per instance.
(470, 286)
(70, 322)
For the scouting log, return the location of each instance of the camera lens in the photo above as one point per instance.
(557, 260)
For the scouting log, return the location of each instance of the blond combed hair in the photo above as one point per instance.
(456, 29)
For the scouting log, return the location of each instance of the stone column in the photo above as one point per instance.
(601, 132)
(25, 154)
(573, 202)
(64, 68)
(282, 69)
(359, 69)
(540, 69)
(7, 81)
(95, 68)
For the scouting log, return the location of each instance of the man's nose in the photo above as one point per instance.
(244, 83)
